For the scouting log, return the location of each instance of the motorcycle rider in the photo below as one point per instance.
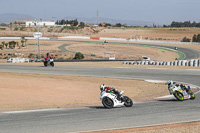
(48, 57)
(170, 84)
(103, 87)
(183, 87)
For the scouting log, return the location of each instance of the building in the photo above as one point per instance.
(31, 23)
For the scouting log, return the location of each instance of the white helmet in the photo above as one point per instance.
(102, 87)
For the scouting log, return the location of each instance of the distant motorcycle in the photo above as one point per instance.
(181, 94)
(109, 100)
(48, 62)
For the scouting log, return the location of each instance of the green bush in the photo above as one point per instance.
(79, 56)
(31, 55)
(185, 39)
(2, 28)
(22, 28)
(1, 47)
(16, 29)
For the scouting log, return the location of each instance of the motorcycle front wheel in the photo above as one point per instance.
(179, 96)
(107, 102)
(52, 64)
(127, 101)
(45, 63)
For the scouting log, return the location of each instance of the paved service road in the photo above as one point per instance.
(99, 118)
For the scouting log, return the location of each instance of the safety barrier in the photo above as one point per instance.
(192, 63)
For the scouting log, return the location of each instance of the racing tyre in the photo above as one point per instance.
(107, 102)
(192, 95)
(179, 96)
(45, 63)
(52, 64)
(127, 101)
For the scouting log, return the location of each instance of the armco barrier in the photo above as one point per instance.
(192, 63)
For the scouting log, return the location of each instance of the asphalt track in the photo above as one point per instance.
(98, 118)
(189, 53)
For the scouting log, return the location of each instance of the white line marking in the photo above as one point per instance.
(39, 110)
(159, 68)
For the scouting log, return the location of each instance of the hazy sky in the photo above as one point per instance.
(158, 11)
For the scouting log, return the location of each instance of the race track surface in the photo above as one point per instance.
(188, 52)
(98, 118)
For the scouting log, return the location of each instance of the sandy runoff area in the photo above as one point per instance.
(33, 91)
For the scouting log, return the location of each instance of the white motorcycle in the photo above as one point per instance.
(180, 94)
(109, 100)
(48, 62)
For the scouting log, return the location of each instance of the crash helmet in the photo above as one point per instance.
(102, 87)
(170, 82)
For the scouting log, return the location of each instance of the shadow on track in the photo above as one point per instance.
(168, 100)
(97, 107)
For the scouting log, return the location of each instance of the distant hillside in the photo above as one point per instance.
(7, 17)
(111, 21)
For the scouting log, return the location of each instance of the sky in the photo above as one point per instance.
(158, 11)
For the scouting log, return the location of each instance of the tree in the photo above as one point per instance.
(118, 25)
(100, 25)
(17, 44)
(6, 44)
(107, 24)
(198, 38)
(62, 22)
(3, 43)
(185, 39)
(75, 22)
(82, 24)
(79, 56)
(1, 47)
(23, 41)
(194, 38)
(12, 44)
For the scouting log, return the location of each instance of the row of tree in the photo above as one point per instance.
(195, 38)
(10, 44)
(13, 44)
(71, 22)
(82, 24)
(185, 24)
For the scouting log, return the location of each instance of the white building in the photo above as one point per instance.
(31, 23)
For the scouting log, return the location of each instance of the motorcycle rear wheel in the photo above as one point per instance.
(107, 102)
(179, 96)
(128, 102)
(192, 95)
